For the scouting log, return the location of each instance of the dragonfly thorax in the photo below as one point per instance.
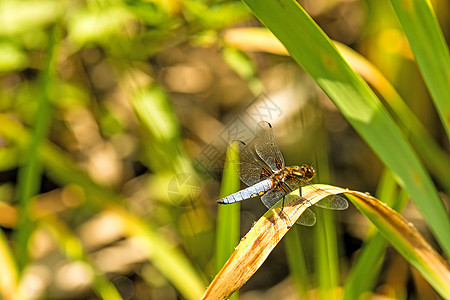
(268, 177)
(305, 171)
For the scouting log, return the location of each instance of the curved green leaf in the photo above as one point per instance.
(312, 49)
(430, 50)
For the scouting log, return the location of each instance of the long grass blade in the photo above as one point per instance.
(365, 271)
(325, 234)
(309, 46)
(428, 44)
(64, 171)
(326, 255)
(407, 241)
(227, 232)
(434, 157)
(29, 176)
(296, 260)
(169, 260)
(270, 229)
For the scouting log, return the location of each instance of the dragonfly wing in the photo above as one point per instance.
(294, 182)
(331, 201)
(307, 218)
(335, 202)
(266, 147)
(251, 169)
(271, 197)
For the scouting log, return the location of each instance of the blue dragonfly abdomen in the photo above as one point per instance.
(257, 189)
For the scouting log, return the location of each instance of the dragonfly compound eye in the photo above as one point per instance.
(308, 172)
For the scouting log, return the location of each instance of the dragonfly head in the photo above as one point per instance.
(305, 171)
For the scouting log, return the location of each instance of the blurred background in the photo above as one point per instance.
(115, 117)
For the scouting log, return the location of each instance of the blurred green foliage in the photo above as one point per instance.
(105, 107)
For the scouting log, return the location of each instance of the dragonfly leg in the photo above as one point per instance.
(300, 194)
(288, 189)
(284, 216)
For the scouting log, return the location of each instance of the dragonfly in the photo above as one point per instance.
(267, 176)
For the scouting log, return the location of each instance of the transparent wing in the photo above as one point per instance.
(335, 202)
(308, 217)
(251, 169)
(271, 197)
(266, 147)
(294, 182)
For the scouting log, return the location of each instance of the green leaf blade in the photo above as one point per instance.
(227, 231)
(310, 47)
(430, 50)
